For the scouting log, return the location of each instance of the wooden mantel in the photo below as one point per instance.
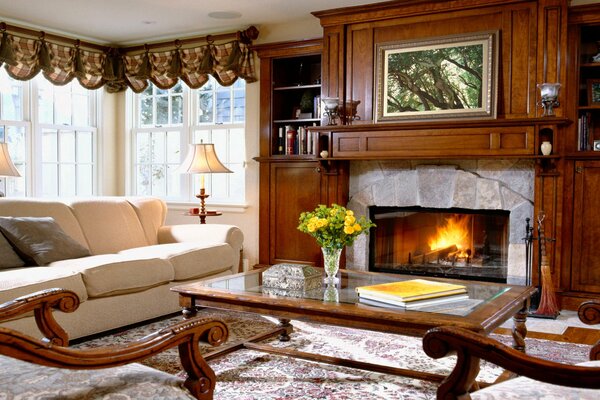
(515, 137)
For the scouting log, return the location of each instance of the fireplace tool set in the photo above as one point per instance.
(543, 302)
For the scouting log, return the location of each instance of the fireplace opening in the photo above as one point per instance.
(454, 243)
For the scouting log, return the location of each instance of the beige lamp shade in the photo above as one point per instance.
(7, 168)
(201, 159)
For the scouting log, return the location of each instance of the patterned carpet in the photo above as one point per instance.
(251, 375)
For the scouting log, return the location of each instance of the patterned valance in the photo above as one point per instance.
(119, 68)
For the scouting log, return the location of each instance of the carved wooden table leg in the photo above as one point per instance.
(519, 331)
(285, 324)
(188, 307)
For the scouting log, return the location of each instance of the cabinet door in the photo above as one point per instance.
(586, 227)
(294, 187)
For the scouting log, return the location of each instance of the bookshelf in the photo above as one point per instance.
(588, 109)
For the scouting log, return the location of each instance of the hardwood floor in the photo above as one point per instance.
(571, 335)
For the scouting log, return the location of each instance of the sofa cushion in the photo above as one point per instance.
(23, 380)
(21, 281)
(40, 240)
(152, 213)
(9, 258)
(29, 207)
(189, 260)
(113, 274)
(526, 388)
(110, 224)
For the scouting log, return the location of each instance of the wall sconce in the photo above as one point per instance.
(549, 95)
(7, 168)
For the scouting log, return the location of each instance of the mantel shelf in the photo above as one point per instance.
(452, 124)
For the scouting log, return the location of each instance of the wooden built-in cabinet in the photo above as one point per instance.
(292, 181)
(580, 272)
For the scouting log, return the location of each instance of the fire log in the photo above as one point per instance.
(434, 255)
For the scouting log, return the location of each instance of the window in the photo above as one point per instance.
(167, 120)
(59, 158)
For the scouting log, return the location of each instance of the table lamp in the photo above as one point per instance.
(7, 168)
(202, 159)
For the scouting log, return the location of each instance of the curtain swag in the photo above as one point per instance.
(117, 69)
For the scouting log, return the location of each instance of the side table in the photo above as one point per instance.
(203, 215)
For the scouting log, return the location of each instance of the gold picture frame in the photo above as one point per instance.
(438, 78)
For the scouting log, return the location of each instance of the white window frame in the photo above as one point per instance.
(189, 183)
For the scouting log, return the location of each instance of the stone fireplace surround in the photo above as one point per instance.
(501, 184)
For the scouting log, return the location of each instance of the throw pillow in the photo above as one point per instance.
(40, 240)
(9, 258)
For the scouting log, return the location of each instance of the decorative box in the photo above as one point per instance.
(293, 277)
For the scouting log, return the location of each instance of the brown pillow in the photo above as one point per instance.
(40, 240)
(8, 257)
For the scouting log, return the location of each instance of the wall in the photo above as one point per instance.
(114, 170)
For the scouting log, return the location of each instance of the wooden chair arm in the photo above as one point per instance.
(42, 303)
(589, 313)
(470, 347)
(186, 335)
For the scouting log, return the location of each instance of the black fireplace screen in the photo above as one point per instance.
(461, 243)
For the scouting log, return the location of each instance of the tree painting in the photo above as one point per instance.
(434, 78)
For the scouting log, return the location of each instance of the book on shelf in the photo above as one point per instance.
(584, 127)
(280, 141)
(291, 138)
(412, 305)
(410, 290)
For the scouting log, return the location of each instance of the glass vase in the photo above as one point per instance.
(331, 263)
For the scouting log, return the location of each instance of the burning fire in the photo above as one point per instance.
(455, 232)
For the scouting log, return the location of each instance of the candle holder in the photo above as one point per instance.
(549, 97)
(331, 107)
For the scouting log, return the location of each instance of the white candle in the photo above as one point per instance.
(201, 181)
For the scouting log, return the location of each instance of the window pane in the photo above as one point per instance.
(143, 180)
(159, 182)
(177, 88)
(239, 106)
(68, 180)
(15, 137)
(237, 150)
(45, 101)
(236, 181)
(158, 147)
(143, 147)
(162, 110)
(146, 111)
(50, 180)
(62, 103)
(219, 139)
(177, 110)
(173, 148)
(85, 179)
(173, 181)
(81, 110)
(201, 136)
(223, 107)
(218, 188)
(205, 107)
(85, 147)
(67, 147)
(12, 98)
(49, 145)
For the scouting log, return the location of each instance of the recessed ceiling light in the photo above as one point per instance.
(224, 14)
(148, 22)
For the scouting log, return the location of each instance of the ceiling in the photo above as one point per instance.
(138, 21)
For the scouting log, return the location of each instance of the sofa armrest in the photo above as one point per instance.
(470, 347)
(42, 303)
(202, 233)
(589, 313)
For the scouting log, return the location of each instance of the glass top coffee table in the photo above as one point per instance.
(489, 305)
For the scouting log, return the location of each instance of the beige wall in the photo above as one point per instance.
(113, 168)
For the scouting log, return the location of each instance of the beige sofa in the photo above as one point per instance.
(134, 260)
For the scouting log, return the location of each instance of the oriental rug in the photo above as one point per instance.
(252, 375)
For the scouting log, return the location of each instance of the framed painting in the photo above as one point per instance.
(446, 77)
(593, 92)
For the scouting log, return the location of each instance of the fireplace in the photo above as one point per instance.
(498, 188)
(454, 242)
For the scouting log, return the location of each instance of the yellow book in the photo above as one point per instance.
(411, 290)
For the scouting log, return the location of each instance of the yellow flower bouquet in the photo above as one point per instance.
(333, 227)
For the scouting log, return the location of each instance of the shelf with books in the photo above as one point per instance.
(588, 109)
